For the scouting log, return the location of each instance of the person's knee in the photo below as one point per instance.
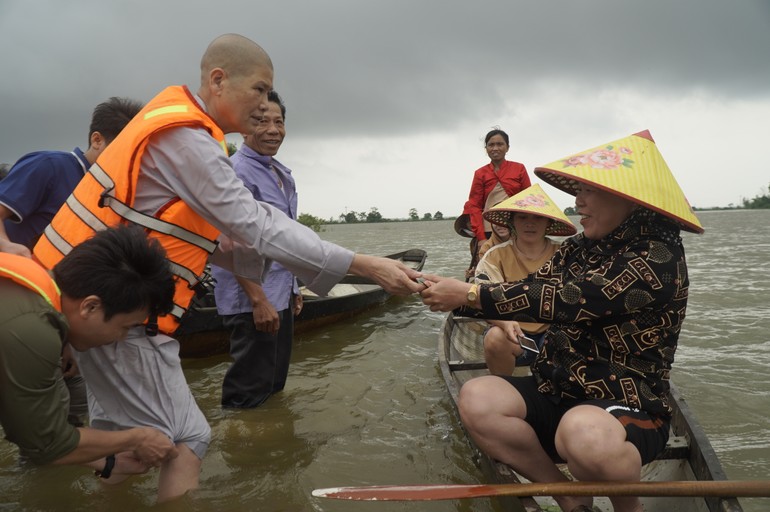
(495, 342)
(472, 402)
(485, 398)
(590, 436)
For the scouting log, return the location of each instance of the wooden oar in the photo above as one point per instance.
(706, 488)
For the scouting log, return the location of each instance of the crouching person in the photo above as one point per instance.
(102, 288)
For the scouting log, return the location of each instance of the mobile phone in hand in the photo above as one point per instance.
(528, 344)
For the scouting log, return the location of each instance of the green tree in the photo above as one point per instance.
(310, 221)
(413, 214)
(231, 149)
(438, 216)
(374, 215)
(427, 216)
(350, 217)
(570, 210)
(759, 202)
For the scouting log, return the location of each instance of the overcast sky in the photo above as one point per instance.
(388, 101)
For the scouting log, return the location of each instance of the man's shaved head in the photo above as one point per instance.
(236, 75)
(238, 56)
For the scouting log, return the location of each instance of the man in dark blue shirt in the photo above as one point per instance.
(40, 182)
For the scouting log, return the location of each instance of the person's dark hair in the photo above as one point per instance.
(496, 131)
(111, 116)
(274, 97)
(122, 267)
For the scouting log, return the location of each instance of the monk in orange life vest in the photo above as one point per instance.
(168, 171)
(108, 284)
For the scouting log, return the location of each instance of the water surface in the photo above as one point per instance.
(365, 403)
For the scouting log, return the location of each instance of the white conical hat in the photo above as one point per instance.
(631, 168)
(532, 200)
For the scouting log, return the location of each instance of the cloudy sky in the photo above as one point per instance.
(388, 101)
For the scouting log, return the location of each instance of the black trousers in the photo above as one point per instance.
(260, 360)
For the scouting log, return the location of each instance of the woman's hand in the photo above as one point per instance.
(445, 294)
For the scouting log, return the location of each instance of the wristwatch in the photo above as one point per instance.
(109, 464)
(473, 295)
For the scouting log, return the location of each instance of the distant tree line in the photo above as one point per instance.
(374, 215)
(758, 202)
(352, 217)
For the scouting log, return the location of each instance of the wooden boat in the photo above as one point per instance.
(202, 334)
(688, 455)
(352, 295)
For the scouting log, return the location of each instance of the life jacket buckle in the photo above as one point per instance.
(151, 329)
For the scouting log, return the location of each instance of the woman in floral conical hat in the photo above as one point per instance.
(615, 296)
(529, 217)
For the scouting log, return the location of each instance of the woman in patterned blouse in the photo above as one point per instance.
(615, 298)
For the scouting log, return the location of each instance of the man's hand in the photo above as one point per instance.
(265, 317)
(392, 275)
(445, 294)
(155, 447)
(69, 366)
(126, 464)
(298, 303)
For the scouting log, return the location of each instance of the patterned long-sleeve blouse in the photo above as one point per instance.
(615, 307)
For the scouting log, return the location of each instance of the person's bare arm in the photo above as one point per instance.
(5, 243)
(446, 294)
(150, 446)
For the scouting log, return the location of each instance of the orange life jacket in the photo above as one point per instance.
(105, 197)
(29, 274)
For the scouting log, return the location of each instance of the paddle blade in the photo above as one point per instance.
(720, 488)
(404, 492)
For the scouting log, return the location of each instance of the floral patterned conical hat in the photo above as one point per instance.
(631, 168)
(532, 200)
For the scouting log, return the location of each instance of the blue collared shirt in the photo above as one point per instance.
(260, 175)
(35, 188)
